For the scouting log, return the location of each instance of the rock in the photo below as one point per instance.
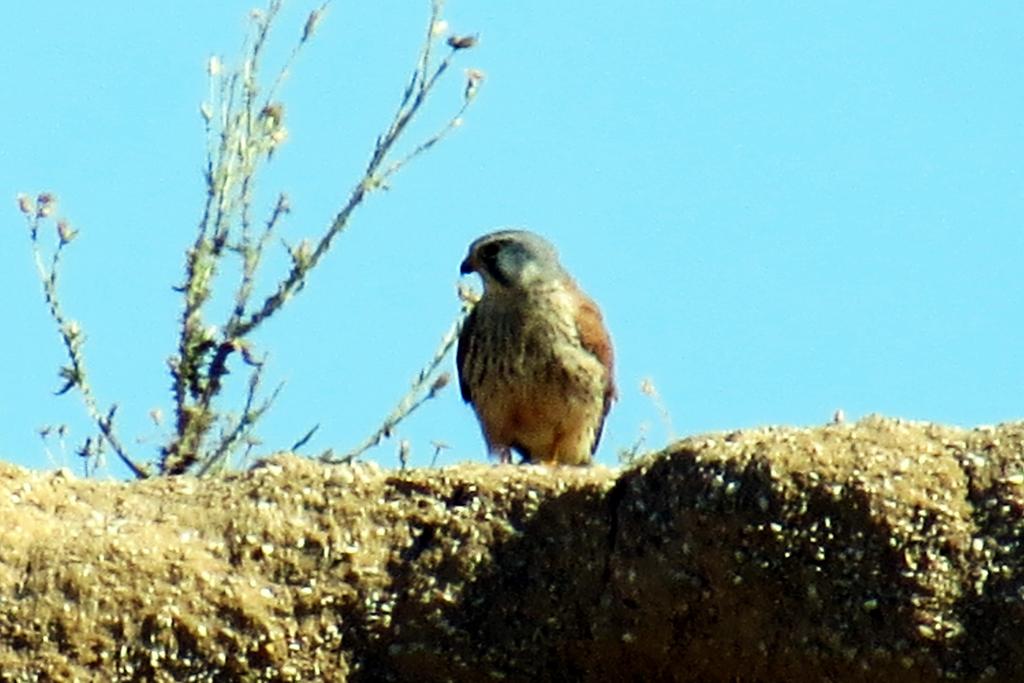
(881, 550)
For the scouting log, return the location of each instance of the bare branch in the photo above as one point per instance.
(422, 82)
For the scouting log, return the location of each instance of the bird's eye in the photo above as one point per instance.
(489, 251)
(491, 257)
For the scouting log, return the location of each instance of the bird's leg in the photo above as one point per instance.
(504, 454)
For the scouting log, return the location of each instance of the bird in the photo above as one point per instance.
(534, 357)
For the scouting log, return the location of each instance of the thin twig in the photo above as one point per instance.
(453, 123)
(423, 389)
(308, 29)
(305, 439)
(71, 335)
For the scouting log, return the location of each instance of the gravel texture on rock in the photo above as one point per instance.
(881, 550)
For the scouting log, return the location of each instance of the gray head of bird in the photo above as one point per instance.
(512, 259)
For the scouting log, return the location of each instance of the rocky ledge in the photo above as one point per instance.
(882, 550)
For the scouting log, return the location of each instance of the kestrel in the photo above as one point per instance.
(534, 357)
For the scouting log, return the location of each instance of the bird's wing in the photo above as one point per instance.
(593, 335)
(594, 338)
(465, 340)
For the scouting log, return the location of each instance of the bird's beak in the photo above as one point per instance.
(467, 266)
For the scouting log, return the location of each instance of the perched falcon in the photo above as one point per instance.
(534, 357)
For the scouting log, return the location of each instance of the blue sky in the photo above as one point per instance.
(782, 208)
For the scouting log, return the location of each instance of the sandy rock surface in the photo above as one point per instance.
(876, 551)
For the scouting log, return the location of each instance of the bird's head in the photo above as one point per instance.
(512, 259)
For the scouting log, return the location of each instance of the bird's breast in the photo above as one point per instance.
(531, 343)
